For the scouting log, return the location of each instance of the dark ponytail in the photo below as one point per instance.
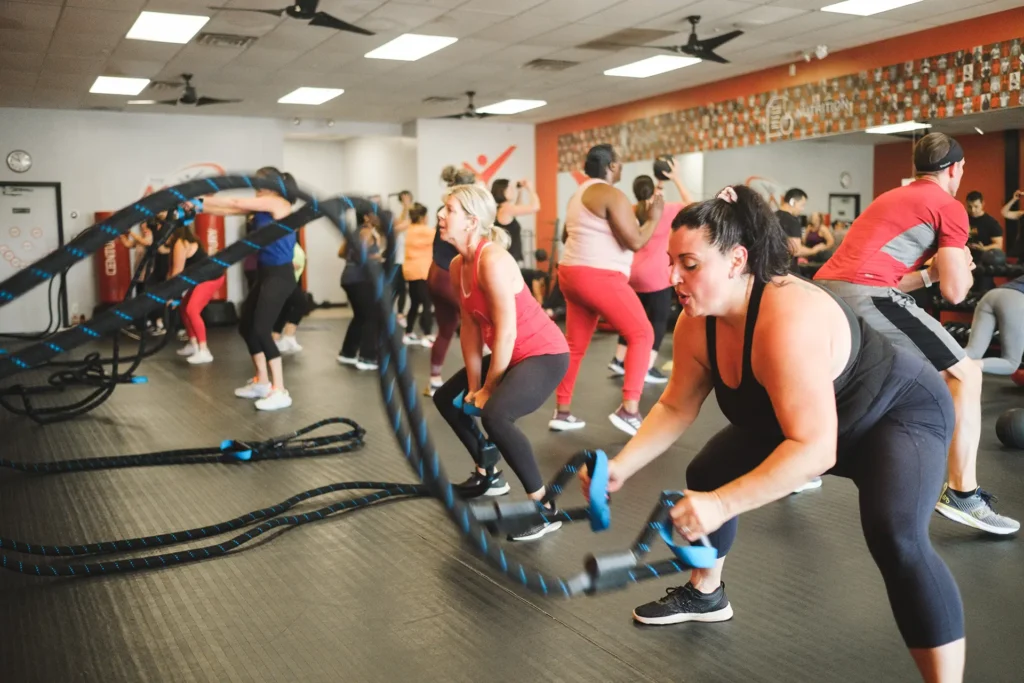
(749, 222)
(643, 190)
(599, 158)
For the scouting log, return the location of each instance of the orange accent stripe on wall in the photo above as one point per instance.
(961, 35)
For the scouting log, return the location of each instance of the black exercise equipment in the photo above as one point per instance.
(1010, 428)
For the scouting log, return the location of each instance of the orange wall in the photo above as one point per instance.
(984, 171)
(961, 35)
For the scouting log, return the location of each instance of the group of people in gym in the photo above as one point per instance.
(883, 396)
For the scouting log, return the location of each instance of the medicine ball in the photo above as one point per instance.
(1010, 428)
(994, 257)
(540, 255)
(661, 167)
(1018, 378)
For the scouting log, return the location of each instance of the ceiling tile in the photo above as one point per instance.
(509, 7)
(113, 4)
(400, 17)
(24, 41)
(22, 61)
(320, 61)
(239, 74)
(805, 26)
(17, 79)
(84, 21)
(569, 35)
(16, 96)
(461, 23)
(146, 50)
(295, 36)
(67, 42)
(258, 56)
(634, 12)
(60, 98)
(132, 68)
(573, 10)
(65, 81)
(74, 65)
(22, 16)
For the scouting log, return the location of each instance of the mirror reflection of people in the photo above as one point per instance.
(986, 233)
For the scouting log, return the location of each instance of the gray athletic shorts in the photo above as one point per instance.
(898, 317)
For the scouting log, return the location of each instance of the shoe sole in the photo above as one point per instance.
(618, 371)
(346, 361)
(621, 424)
(724, 614)
(270, 410)
(655, 380)
(565, 426)
(199, 362)
(554, 526)
(955, 515)
(498, 490)
(809, 486)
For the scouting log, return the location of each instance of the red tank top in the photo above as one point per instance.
(536, 333)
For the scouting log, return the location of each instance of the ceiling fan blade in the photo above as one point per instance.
(327, 21)
(213, 100)
(272, 12)
(710, 44)
(170, 102)
(671, 48)
(709, 56)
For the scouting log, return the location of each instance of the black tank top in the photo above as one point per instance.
(749, 406)
(196, 257)
(443, 252)
(515, 231)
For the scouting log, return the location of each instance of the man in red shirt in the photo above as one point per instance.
(880, 260)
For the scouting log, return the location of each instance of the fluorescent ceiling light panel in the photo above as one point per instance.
(161, 27)
(652, 66)
(409, 47)
(115, 85)
(865, 8)
(310, 95)
(898, 127)
(511, 106)
(141, 101)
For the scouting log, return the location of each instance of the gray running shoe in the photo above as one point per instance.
(975, 511)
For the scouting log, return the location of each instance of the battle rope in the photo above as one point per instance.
(403, 407)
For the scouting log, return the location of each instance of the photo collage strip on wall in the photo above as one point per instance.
(953, 84)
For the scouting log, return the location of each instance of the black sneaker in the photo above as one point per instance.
(535, 532)
(655, 376)
(617, 367)
(685, 603)
(481, 485)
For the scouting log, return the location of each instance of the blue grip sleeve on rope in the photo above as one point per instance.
(697, 556)
(467, 408)
(236, 450)
(599, 512)
(140, 379)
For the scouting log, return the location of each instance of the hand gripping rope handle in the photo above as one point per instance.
(403, 406)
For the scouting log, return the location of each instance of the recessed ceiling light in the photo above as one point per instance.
(310, 95)
(511, 106)
(115, 85)
(410, 46)
(161, 27)
(903, 127)
(141, 101)
(865, 8)
(652, 66)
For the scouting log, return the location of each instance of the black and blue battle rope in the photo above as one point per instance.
(404, 410)
(91, 371)
(287, 446)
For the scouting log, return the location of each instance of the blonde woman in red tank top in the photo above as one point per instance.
(529, 354)
(593, 273)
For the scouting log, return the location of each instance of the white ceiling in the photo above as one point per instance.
(51, 51)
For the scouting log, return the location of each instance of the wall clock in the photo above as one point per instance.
(19, 161)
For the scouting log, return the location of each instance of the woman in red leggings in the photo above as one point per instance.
(186, 251)
(594, 273)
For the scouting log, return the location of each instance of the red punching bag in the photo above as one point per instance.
(113, 268)
(210, 233)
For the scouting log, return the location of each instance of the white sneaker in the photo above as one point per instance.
(564, 422)
(809, 486)
(365, 365)
(345, 360)
(253, 390)
(427, 342)
(293, 344)
(200, 357)
(275, 400)
(187, 350)
(410, 338)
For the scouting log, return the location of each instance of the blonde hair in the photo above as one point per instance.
(480, 203)
(457, 176)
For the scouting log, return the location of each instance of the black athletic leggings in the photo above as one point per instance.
(658, 306)
(294, 309)
(899, 466)
(524, 388)
(419, 297)
(261, 307)
(361, 336)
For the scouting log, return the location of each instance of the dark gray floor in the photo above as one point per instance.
(391, 594)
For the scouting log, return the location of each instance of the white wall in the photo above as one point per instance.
(104, 160)
(360, 166)
(479, 144)
(812, 166)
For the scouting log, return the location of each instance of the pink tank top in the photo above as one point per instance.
(536, 333)
(590, 240)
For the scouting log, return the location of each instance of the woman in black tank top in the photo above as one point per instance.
(848, 404)
(509, 209)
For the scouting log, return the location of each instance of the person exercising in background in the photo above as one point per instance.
(649, 275)
(399, 287)
(603, 234)
(986, 233)
(419, 239)
(186, 251)
(876, 266)
(1011, 214)
(295, 308)
(851, 404)
(793, 204)
(1001, 308)
(509, 212)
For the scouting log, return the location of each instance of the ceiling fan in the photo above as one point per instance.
(188, 95)
(470, 111)
(702, 49)
(305, 9)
